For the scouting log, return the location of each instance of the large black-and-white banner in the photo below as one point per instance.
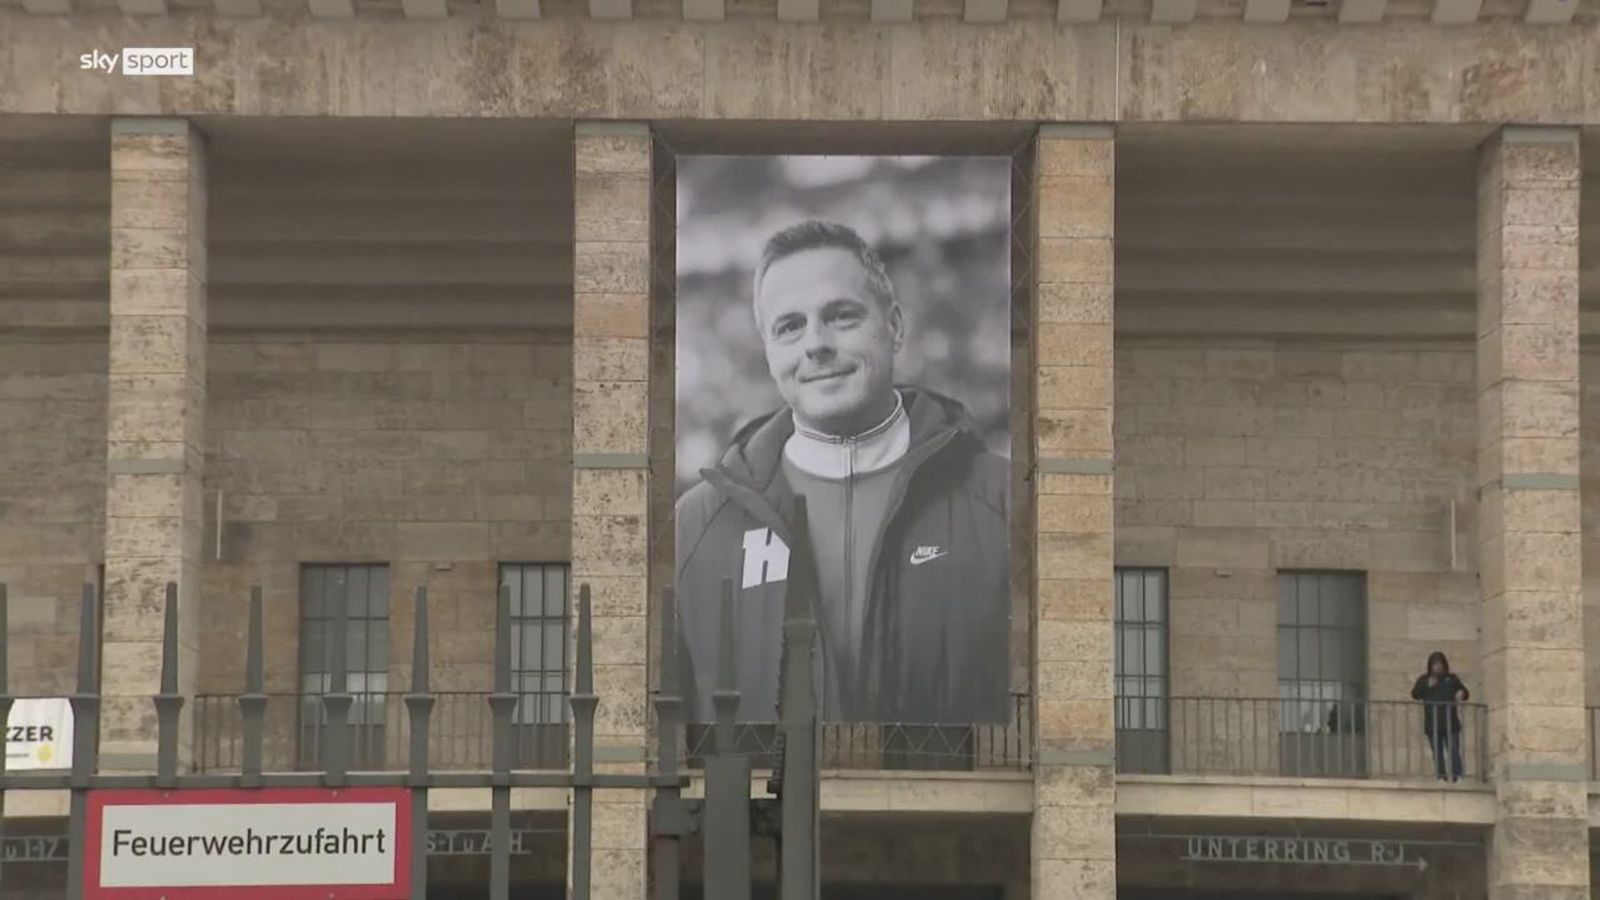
(843, 335)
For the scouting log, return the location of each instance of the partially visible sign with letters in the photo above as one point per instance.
(39, 734)
(1302, 850)
(36, 848)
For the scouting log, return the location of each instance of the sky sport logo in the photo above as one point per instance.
(140, 61)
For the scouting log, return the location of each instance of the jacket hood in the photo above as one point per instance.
(755, 454)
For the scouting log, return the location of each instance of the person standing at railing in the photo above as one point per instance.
(1440, 690)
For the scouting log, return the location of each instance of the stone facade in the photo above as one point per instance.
(156, 402)
(611, 494)
(52, 400)
(53, 370)
(440, 458)
(1238, 459)
(289, 361)
(1073, 820)
(1528, 467)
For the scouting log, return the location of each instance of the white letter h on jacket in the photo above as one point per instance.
(766, 557)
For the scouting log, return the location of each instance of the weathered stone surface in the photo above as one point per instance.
(1074, 344)
(610, 359)
(612, 267)
(1075, 303)
(610, 417)
(1075, 260)
(611, 316)
(1075, 599)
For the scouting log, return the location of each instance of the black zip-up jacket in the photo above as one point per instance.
(936, 638)
(1437, 700)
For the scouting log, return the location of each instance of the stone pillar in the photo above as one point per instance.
(1531, 573)
(154, 430)
(611, 465)
(1074, 823)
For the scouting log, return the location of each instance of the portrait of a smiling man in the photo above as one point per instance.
(907, 504)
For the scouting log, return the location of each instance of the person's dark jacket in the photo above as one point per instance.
(936, 636)
(1439, 702)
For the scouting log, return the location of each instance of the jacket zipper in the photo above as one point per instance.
(911, 462)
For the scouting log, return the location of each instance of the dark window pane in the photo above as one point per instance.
(1332, 655)
(356, 588)
(555, 592)
(511, 583)
(1306, 665)
(1306, 594)
(378, 647)
(1155, 591)
(378, 593)
(554, 642)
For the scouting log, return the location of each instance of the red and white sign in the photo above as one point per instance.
(266, 844)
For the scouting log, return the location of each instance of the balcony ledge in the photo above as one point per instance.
(1266, 797)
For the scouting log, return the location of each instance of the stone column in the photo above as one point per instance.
(611, 463)
(154, 431)
(1074, 823)
(1530, 533)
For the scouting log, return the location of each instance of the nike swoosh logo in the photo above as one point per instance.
(925, 555)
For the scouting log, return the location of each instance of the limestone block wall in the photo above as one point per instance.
(441, 458)
(54, 276)
(52, 499)
(1235, 460)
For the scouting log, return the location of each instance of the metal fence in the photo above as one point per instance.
(889, 746)
(460, 732)
(249, 742)
(1290, 737)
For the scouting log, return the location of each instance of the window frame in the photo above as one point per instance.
(1308, 694)
(369, 712)
(1152, 708)
(543, 705)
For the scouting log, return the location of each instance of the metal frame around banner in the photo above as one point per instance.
(723, 818)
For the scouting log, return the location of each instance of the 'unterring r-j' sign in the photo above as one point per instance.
(277, 843)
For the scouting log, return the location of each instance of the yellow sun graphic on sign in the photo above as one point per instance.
(45, 753)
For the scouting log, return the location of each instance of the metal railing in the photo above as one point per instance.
(460, 732)
(889, 746)
(1290, 737)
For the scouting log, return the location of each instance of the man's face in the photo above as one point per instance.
(830, 344)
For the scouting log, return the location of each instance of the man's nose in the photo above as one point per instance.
(818, 344)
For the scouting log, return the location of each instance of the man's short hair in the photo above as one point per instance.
(814, 235)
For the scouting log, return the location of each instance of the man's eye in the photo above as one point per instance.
(786, 328)
(847, 318)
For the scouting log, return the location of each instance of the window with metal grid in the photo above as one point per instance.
(362, 590)
(1141, 649)
(538, 640)
(1322, 647)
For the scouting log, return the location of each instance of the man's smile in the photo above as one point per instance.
(826, 376)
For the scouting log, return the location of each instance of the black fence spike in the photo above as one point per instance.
(583, 701)
(502, 705)
(169, 703)
(253, 702)
(725, 699)
(419, 716)
(336, 703)
(797, 778)
(419, 642)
